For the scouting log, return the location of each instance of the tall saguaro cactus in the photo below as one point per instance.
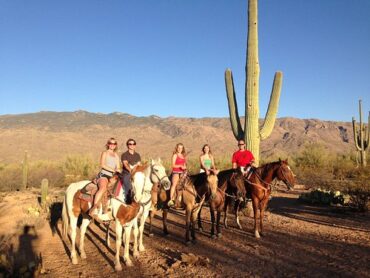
(361, 136)
(251, 133)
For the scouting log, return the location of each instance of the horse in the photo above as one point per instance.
(125, 215)
(195, 190)
(231, 184)
(147, 177)
(258, 187)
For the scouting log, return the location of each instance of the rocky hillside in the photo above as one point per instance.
(53, 135)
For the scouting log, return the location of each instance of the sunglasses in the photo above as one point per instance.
(111, 143)
(131, 144)
(241, 144)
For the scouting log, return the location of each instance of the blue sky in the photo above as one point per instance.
(168, 57)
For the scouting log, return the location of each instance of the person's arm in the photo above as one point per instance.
(118, 163)
(212, 163)
(126, 165)
(174, 161)
(234, 165)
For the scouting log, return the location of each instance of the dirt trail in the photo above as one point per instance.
(300, 240)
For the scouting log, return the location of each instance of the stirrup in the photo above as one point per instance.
(171, 203)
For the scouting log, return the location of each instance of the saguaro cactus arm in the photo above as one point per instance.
(356, 135)
(233, 107)
(271, 112)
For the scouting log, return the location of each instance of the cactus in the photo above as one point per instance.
(251, 133)
(361, 136)
(44, 191)
(25, 171)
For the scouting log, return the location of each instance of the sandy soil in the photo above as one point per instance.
(300, 240)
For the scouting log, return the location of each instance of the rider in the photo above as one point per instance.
(109, 163)
(178, 168)
(129, 159)
(207, 163)
(242, 158)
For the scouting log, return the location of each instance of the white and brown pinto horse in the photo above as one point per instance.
(125, 216)
(146, 177)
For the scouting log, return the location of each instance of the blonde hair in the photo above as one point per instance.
(183, 149)
(110, 140)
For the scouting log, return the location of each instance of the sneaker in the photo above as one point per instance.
(171, 203)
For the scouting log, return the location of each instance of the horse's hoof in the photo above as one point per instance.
(194, 241)
(166, 233)
(83, 255)
(200, 229)
(74, 261)
(188, 243)
(256, 234)
(136, 254)
(213, 236)
(226, 227)
(128, 263)
(219, 235)
(141, 248)
(151, 234)
(118, 267)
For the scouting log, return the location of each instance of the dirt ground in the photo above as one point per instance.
(300, 240)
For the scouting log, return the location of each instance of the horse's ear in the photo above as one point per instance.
(279, 159)
(151, 161)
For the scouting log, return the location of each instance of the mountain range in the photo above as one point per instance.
(54, 135)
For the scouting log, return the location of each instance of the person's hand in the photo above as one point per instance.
(183, 167)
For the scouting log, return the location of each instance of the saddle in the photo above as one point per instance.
(88, 192)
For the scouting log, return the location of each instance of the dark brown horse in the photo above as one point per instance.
(231, 184)
(258, 187)
(195, 190)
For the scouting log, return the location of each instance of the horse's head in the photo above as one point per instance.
(138, 181)
(158, 174)
(212, 181)
(285, 174)
(237, 181)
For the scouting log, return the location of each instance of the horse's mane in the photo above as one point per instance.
(267, 167)
(139, 168)
(198, 179)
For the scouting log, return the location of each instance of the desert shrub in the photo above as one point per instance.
(80, 166)
(10, 177)
(50, 170)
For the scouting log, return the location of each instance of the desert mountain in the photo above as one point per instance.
(53, 135)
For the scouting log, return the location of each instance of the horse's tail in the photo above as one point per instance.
(65, 219)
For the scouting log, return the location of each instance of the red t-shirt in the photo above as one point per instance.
(242, 158)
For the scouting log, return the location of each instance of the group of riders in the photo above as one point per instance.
(110, 163)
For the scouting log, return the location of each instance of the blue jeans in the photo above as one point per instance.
(127, 186)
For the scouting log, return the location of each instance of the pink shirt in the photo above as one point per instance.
(179, 161)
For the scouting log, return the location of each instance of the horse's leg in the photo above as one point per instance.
(227, 199)
(85, 223)
(151, 216)
(262, 213)
(126, 256)
(73, 222)
(136, 233)
(200, 227)
(141, 229)
(187, 219)
(255, 202)
(107, 236)
(219, 234)
(117, 263)
(236, 210)
(164, 219)
(192, 225)
(212, 222)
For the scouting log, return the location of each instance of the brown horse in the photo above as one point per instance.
(231, 184)
(258, 187)
(195, 190)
